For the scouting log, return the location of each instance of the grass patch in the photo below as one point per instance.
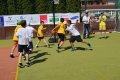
(5, 43)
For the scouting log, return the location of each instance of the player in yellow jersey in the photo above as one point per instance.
(102, 25)
(61, 33)
(40, 34)
(15, 39)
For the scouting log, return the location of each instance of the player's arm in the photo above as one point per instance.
(17, 33)
(56, 28)
(34, 30)
(27, 37)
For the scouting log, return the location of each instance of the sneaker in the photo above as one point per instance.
(12, 56)
(90, 46)
(73, 49)
(28, 64)
(100, 37)
(57, 50)
(37, 46)
(21, 65)
(24, 57)
(48, 45)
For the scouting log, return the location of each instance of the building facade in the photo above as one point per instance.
(97, 4)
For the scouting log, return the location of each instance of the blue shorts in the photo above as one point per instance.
(30, 45)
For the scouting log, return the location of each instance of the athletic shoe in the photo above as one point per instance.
(37, 46)
(100, 37)
(58, 49)
(48, 45)
(73, 49)
(28, 64)
(24, 57)
(21, 65)
(90, 46)
(12, 56)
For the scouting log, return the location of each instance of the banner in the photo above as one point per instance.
(50, 18)
(21, 17)
(10, 21)
(44, 18)
(74, 17)
(34, 19)
(1, 21)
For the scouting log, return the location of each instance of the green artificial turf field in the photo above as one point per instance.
(5, 43)
(101, 63)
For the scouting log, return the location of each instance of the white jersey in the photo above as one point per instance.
(86, 19)
(30, 32)
(73, 30)
(23, 35)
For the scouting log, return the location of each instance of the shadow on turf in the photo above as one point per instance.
(38, 61)
(35, 51)
(38, 55)
(77, 48)
(33, 58)
(51, 44)
(81, 48)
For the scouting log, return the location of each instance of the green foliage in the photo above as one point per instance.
(37, 6)
(19, 7)
(42, 6)
(118, 4)
(3, 7)
(61, 7)
(11, 6)
(26, 6)
(73, 5)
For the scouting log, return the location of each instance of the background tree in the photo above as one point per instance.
(18, 6)
(73, 5)
(37, 6)
(61, 7)
(3, 7)
(42, 6)
(27, 6)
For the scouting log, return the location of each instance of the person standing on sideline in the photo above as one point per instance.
(40, 34)
(102, 25)
(15, 39)
(23, 43)
(75, 35)
(86, 25)
(61, 33)
(31, 30)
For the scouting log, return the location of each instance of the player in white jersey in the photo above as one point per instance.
(23, 43)
(75, 35)
(31, 30)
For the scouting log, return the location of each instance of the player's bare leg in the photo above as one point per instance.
(46, 42)
(38, 43)
(12, 51)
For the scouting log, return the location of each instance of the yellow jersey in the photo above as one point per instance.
(103, 20)
(61, 28)
(40, 31)
(15, 31)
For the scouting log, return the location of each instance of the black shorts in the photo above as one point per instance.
(23, 47)
(40, 38)
(76, 38)
(61, 36)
